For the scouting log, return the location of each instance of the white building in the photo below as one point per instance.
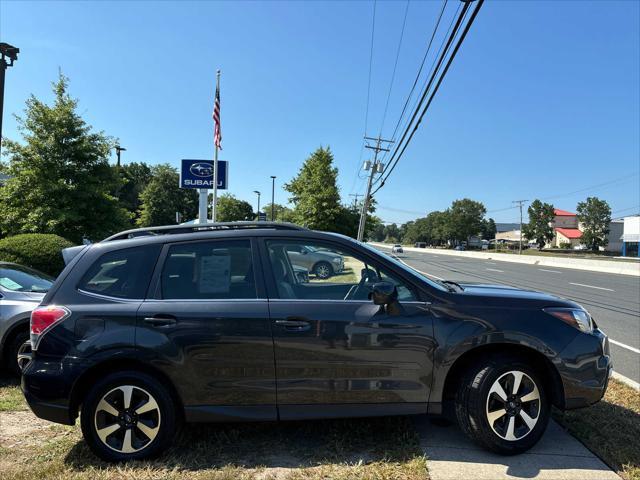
(631, 236)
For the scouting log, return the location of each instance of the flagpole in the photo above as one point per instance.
(215, 164)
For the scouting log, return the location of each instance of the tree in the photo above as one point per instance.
(377, 233)
(489, 229)
(282, 213)
(135, 177)
(231, 209)
(314, 193)
(392, 233)
(163, 197)
(61, 181)
(594, 216)
(540, 226)
(465, 219)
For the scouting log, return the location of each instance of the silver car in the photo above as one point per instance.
(21, 290)
(321, 263)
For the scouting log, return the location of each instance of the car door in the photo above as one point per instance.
(207, 326)
(334, 347)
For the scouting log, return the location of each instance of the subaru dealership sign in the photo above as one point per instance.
(199, 174)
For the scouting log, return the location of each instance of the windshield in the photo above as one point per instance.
(22, 279)
(407, 268)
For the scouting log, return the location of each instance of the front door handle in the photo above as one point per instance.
(160, 321)
(294, 324)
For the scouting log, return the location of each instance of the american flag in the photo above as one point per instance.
(217, 133)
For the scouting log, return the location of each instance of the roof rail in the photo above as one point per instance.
(201, 227)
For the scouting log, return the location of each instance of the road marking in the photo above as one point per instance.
(414, 268)
(491, 263)
(628, 347)
(591, 286)
(626, 380)
(494, 270)
(551, 271)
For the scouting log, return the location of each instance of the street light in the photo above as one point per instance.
(273, 191)
(258, 193)
(118, 150)
(8, 55)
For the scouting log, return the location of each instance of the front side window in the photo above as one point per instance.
(318, 271)
(122, 273)
(209, 270)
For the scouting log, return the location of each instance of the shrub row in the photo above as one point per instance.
(36, 250)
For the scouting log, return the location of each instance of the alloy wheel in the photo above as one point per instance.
(24, 355)
(513, 405)
(323, 271)
(127, 419)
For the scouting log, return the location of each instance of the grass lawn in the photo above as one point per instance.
(610, 428)
(380, 449)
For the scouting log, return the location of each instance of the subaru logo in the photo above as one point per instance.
(201, 170)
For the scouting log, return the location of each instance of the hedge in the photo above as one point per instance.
(36, 250)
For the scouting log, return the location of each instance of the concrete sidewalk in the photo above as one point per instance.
(558, 456)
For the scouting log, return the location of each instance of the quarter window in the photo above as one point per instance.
(122, 273)
(209, 270)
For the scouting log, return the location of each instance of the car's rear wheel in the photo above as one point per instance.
(323, 270)
(501, 404)
(128, 416)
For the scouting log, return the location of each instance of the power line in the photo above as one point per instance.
(395, 65)
(424, 58)
(366, 115)
(437, 85)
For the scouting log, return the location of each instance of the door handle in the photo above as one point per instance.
(160, 321)
(294, 324)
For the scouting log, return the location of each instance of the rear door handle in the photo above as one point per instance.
(294, 324)
(160, 321)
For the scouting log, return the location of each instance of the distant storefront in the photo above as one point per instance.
(631, 236)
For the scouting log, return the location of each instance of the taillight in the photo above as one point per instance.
(44, 319)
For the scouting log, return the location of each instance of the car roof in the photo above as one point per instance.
(184, 233)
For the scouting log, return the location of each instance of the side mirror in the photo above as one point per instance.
(383, 293)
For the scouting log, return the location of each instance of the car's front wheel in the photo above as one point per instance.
(501, 404)
(323, 270)
(128, 416)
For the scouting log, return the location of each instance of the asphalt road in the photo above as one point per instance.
(613, 300)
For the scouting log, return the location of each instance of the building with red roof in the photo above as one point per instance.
(567, 229)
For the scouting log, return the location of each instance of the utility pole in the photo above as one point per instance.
(375, 167)
(520, 203)
(273, 196)
(355, 198)
(8, 55)
(118, 150)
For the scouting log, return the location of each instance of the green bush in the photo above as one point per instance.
(36, 250)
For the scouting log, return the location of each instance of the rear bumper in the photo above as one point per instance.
(47, 388)
(585, 367)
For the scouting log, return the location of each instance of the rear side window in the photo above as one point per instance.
(209, 270)
(122, 273)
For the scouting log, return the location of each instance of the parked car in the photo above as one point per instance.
(420, 244)
(460, 248)
(323, 264)
(21, 290)
(206, 324)
(397, 248)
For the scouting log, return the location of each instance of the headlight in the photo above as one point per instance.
(337, 260)
(575, 317)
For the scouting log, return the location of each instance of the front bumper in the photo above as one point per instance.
(585, 367)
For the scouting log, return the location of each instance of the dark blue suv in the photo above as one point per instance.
(227, 322)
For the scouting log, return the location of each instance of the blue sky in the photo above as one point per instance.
(541, 101)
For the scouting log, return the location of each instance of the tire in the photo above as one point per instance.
(115, 433)
(18, 345)
(323, 270)
(480, 394)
